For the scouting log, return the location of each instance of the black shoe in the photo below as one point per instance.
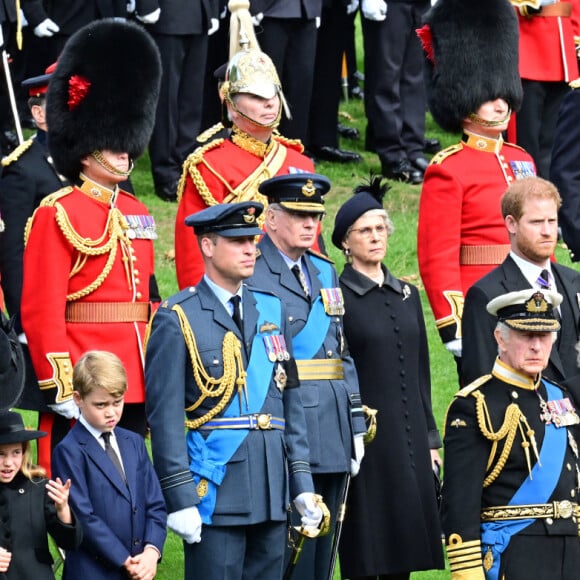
(167, 192)
(432, 146)
(335, 155)
(348, 132)
(402, 171)
(420, 163)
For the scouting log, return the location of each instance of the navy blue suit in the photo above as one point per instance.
(118, 519)
(327, 402)
(267, 469)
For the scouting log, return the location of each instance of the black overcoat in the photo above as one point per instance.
(392, 523)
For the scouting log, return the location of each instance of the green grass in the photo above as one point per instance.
(402, 205)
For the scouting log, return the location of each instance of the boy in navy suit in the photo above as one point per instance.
(117, 495)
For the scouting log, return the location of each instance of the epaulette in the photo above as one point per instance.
(178, 298)
(52, 198)
(473, 386)
(445, 153)
(320, 255)
(12, 157)
(575, 84)
(294, 143)
(256, 289)
(514, 146)
(206, 135)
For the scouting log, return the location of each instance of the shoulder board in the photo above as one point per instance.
(178, 298)
(445, 153)
(52, 198)
(206, 135)
(465, 391)
(294, 143)
(319, 255)
(575, 84)
(12, 157)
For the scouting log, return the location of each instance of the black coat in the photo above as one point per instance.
(31, 515)
(392, 522)
(479, 345)
(25, 180)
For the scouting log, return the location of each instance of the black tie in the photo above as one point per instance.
(297, 271)
(544, 280)
(237, 314)
(113, 454)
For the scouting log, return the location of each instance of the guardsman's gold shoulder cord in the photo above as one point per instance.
(222, 388)
(514, 420)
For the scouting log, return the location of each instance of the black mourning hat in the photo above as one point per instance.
(472, 58)
(12, 429)
(297, 191)
(103, 93)
(367, 196)
(230, 220)
(527, 312)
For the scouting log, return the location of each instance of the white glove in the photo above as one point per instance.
(317, 22)
(46, 28)
(150, 18)
(186, 523)
(547, 2)
(454, 347)
(359, 453)
(352, 6)
(68, 409)
(374, 10)
(1, 37)
(308, 508)
(23, 20)
(130, 6)
(214, 26)
(257, 19)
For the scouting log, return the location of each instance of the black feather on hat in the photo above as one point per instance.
(474, 58)
(103, 94)
(368, 196)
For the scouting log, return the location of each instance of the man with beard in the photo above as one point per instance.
(530, 211)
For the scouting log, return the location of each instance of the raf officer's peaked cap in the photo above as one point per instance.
(230, 220)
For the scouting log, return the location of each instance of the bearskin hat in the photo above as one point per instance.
(472, 58)
(103, 94)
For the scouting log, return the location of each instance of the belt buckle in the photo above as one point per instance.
(264, 421)
(563, 509)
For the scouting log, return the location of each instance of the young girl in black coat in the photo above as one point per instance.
(30, 507)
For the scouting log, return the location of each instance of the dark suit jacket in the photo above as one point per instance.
(565, 170)
(179, 17)
(118, 519)
(479, 345)
(71, 15)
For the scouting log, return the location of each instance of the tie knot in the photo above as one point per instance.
(544, 279)
(235, 300)
(106, 437)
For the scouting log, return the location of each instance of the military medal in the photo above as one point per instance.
(280, 377)
(276, 348)
(142, 227)
(522, 169)
(563, 413)
(333, 301)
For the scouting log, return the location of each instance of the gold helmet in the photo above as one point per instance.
(249, 69)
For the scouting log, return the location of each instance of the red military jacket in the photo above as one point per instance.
(87, 265)
(546, 44)
(461, 232)
(221, 172)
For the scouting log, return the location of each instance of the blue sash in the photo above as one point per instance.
(309, 340)
(208, 457)
(535, 489)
